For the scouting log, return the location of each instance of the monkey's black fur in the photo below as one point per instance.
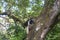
(31, 21)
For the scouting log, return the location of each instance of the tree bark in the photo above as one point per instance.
(44, 21)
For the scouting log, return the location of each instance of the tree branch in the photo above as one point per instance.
(45, 20)
(10, 14)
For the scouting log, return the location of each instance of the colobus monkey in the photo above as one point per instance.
(28, 24)
(29, 21)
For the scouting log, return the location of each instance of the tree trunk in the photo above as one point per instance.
(44, 21)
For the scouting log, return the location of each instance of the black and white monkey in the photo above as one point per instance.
(28, 24)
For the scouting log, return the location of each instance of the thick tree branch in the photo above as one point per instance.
(45, 20)
(10, 14)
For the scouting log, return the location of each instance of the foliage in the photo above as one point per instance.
(54, 34)
(14, 33)
(23, 9)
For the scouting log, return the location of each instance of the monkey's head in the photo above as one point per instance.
(29, 22)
